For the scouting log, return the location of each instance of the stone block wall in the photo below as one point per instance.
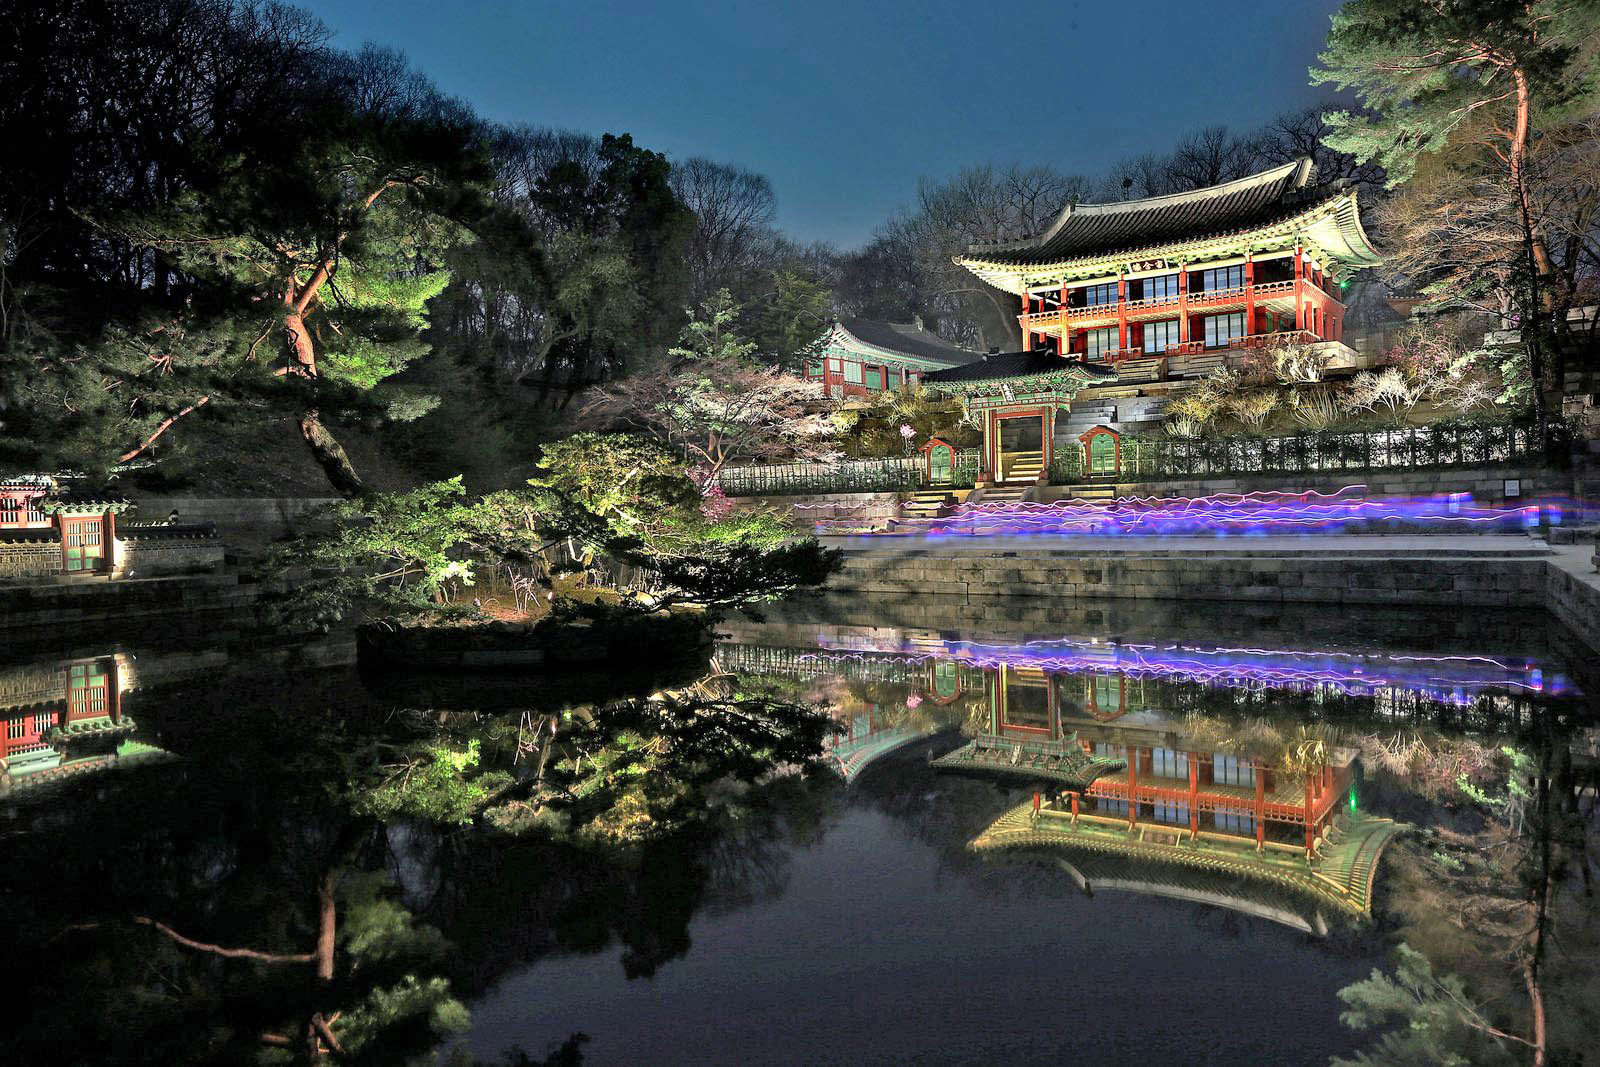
(1486, 484)
(148, 557)
(804, 511)
(30, 559)
(1481, 581)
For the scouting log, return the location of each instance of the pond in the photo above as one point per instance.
(1036, 831)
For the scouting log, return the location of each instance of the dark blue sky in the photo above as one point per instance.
(844, 105)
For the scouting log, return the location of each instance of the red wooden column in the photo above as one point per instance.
(1074, 797)
(1299, 287)
(1194, 797)
(1133, 784)
(1066, 334)
(1183, 303)
(1311, 822)
(109, 549)
(1027, 308)
(1122, 312)
(1249, 293)
(1261, 809)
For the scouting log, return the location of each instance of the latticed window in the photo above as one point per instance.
(1232, 823)
(1099, 342)
(1222, 278)
(1231, 770)
(1095, 295)
(1220, 329)
(852, 372)
(1172, 811)
(1161, 287)
(41, 722)
(1160, 336)
(16, 728)
(1169, 763)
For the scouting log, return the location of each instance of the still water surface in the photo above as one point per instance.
(838, 916)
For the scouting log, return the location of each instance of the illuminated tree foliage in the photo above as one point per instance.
(261, 243)
(710, 400)
(1473, 80)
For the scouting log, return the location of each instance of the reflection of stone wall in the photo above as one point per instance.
(30, 559)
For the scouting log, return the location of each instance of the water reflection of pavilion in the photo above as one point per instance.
(65, 718)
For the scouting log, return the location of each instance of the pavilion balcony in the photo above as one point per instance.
(1271, 296)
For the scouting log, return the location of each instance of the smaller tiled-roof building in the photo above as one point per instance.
(864, 356)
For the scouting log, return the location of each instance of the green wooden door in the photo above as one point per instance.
(941, 464)
(1102, 454)
(83, 541)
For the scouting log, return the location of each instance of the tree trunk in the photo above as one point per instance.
(302, 356)
(331, 455)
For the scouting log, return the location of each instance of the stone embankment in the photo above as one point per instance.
(1443, 572)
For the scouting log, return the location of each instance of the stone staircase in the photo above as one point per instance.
(1003, 494)
(1024, 466)
(1083, 418)
(926, 504)
(1090, 494)
(1142, 414)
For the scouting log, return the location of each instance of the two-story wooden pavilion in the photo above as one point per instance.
(1197, 270)
(1159, 289)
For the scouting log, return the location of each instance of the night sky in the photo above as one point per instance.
(844, 105)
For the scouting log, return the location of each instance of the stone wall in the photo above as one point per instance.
(27, 608)
(804, 511)
(1486, 484)
(1370, 578)
(31, 559)
(240, 521)
(149, 558)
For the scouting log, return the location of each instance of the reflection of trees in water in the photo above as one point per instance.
(281, 912)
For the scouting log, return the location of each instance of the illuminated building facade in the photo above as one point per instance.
(1161, 289)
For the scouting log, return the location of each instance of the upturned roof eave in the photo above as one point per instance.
(994, 272)
(1299, 167)
(957, 357)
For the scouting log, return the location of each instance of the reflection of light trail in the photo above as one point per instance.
(1259, 512)
(1448, 679)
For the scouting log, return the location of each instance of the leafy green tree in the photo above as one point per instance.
(1430, 71)
(285, 232)
(792, 320)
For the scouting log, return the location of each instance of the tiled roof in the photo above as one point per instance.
(1000, 366)
(1083, 230)
(907, 338)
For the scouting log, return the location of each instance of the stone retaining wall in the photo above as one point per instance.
(1486, 484)
(149, 557)
(1491, 581)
